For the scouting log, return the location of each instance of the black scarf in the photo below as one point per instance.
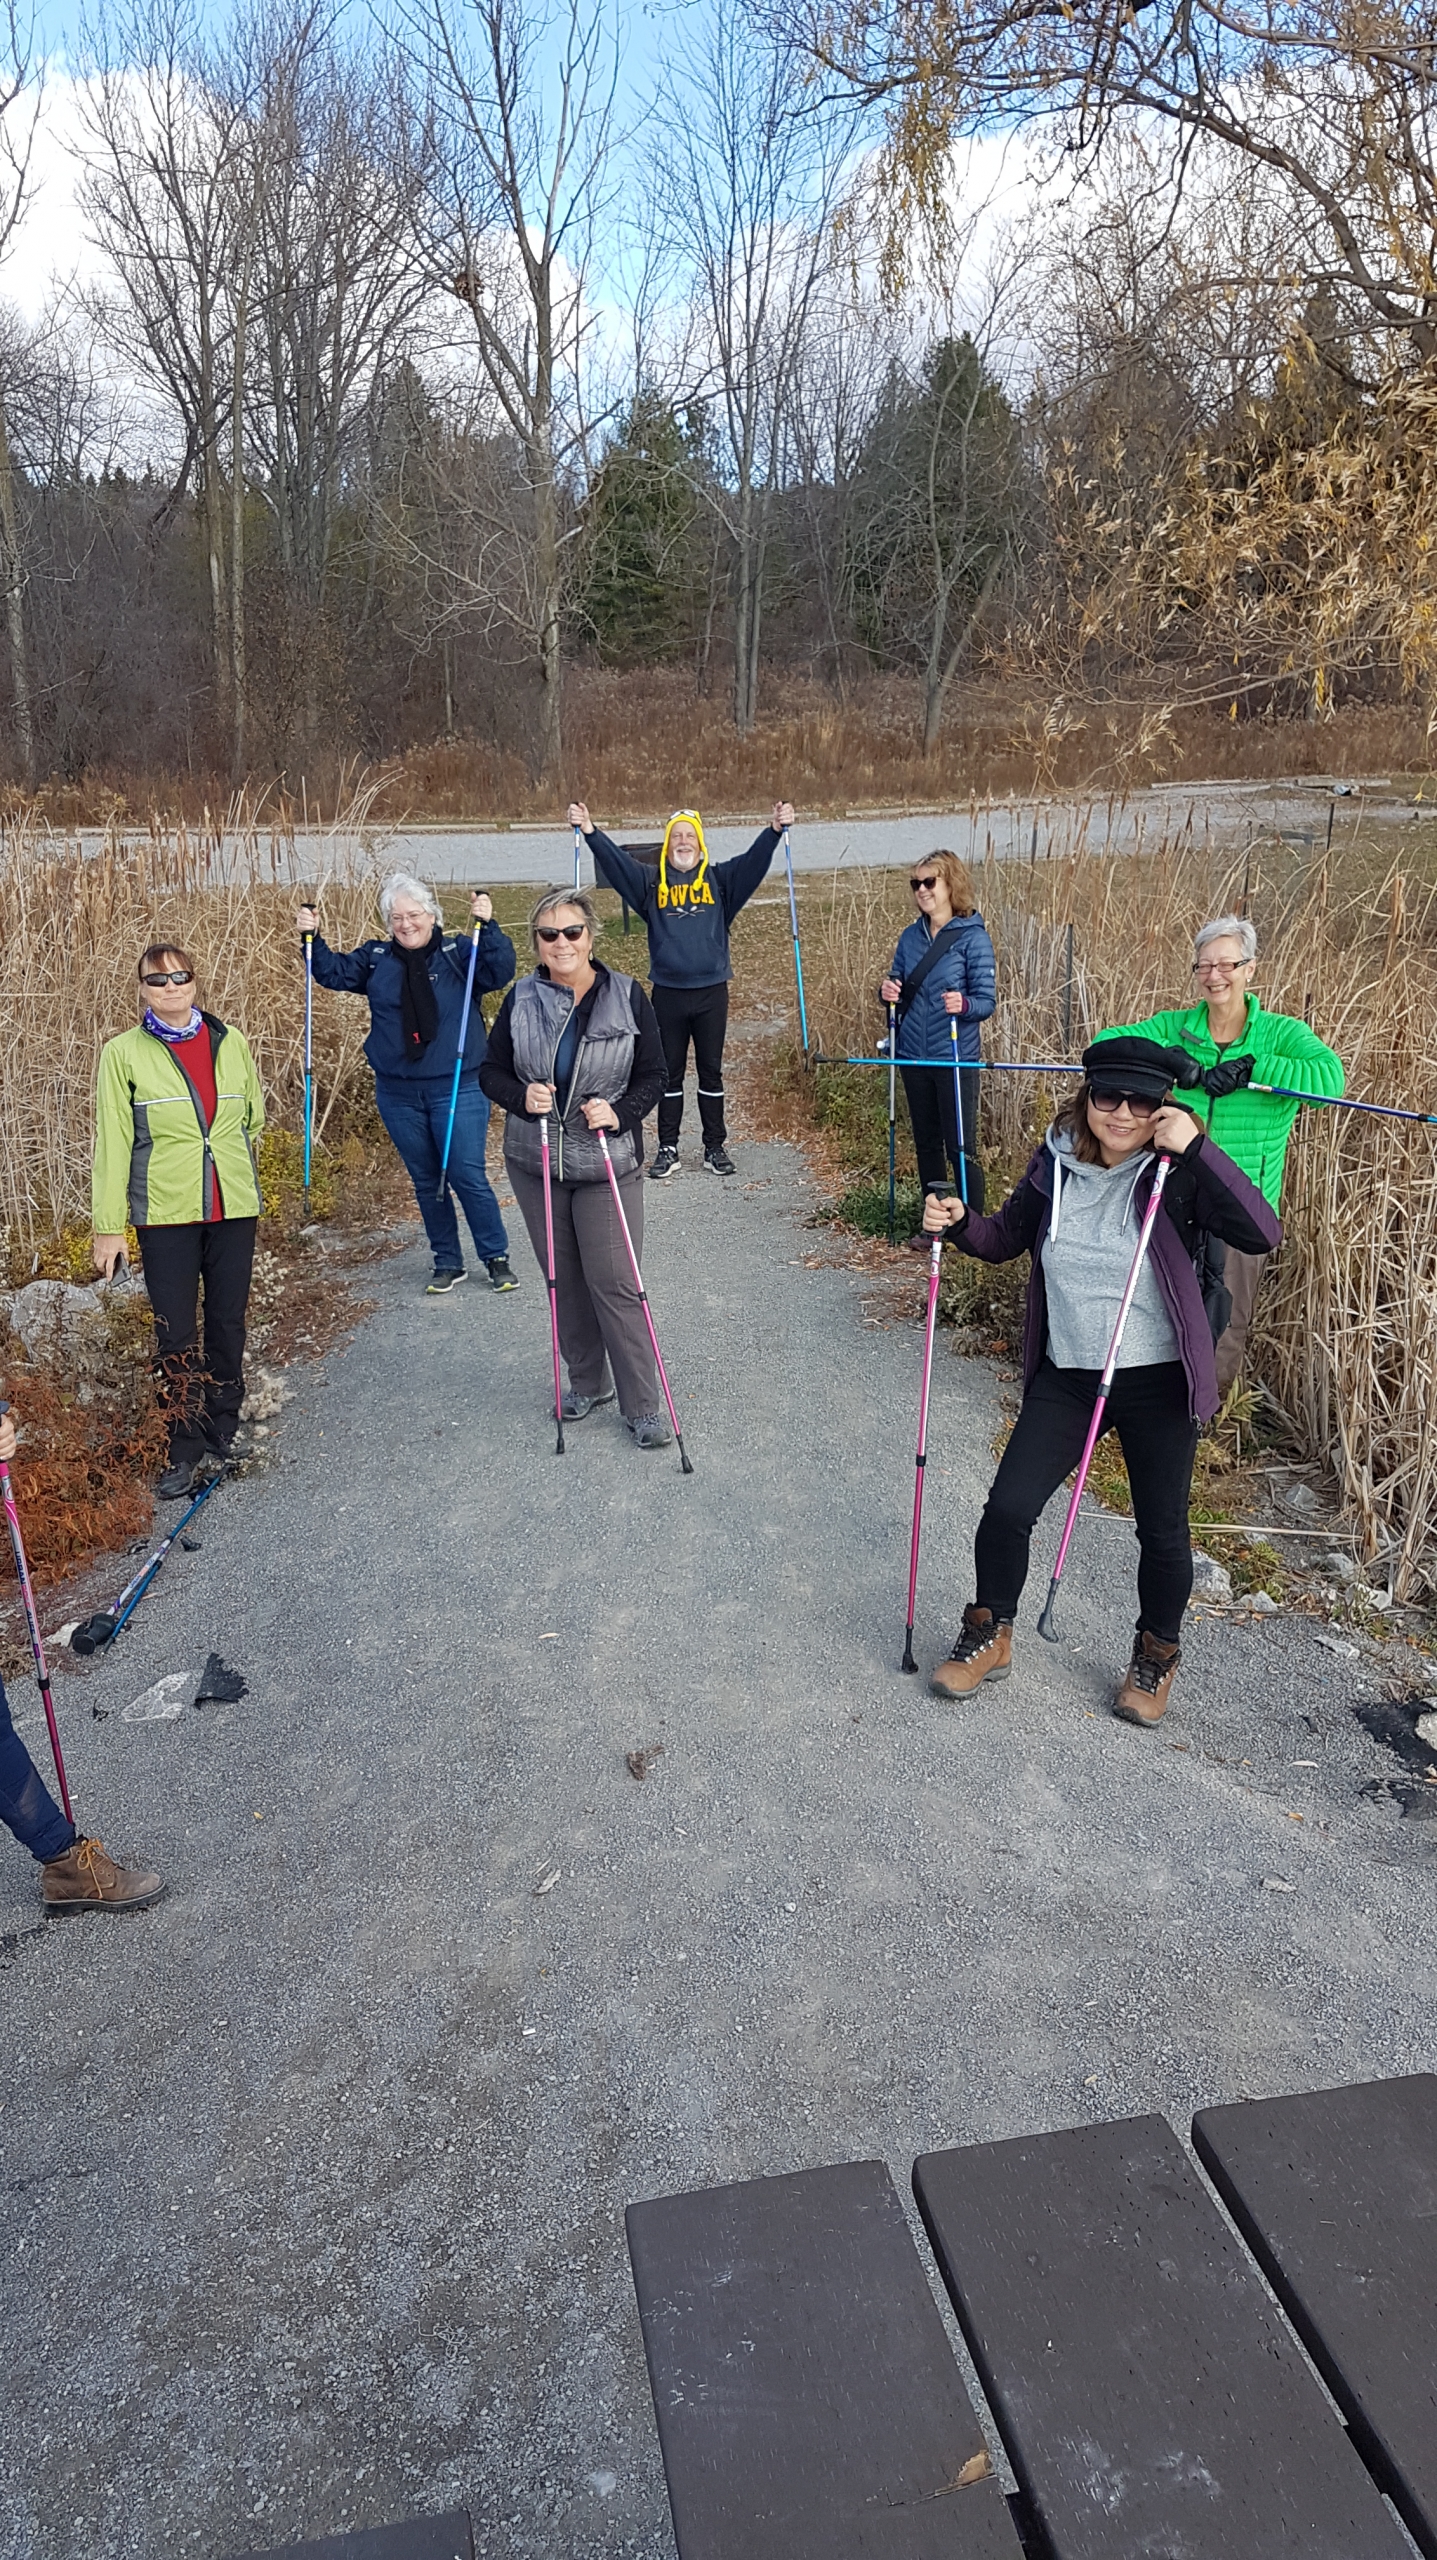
(418, 1003)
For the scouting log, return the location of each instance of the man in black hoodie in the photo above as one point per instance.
(687, 910)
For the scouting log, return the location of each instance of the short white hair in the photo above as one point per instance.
(1220, 929)
(402, 884)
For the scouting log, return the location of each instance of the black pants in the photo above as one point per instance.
(699, 1014)
(200, 1396)
(1148, 1408)
(935, 1126)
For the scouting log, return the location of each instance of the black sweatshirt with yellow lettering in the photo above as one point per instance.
(688, 935)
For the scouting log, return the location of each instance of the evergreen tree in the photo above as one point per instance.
(642, 573)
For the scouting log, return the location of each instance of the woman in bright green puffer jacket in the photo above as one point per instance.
(1238, 1046)
(178, 1115)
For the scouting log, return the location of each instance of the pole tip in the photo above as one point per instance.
(1046, 1628)
(686, 1464)
(908, 1663)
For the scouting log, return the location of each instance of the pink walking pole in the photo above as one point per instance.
(685, 1460)
(37, 1642)
(552, 1278)
(1045, 1623)
(937, 1191)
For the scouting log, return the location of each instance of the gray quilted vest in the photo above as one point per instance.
(602, 1070)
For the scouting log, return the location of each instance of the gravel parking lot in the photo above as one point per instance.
(316, 2174)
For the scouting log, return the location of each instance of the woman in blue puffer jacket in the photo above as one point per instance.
(959, 982)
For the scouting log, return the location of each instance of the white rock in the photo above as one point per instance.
(1334, 1644)
(1299, 1497)
(160, 1704)
(60, 1324)
(1427, 1730)
(1277, 1884)
(1263, 1603)
(1211, 1580)
(1341, 1568)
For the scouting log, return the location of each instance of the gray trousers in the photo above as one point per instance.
(1242, 1272)
(601, 1318)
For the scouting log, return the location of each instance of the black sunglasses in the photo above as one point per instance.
(928, 882)
(1109, 1098)
(561, 932)
(168, 978)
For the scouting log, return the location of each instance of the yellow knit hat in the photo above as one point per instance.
(695, 880)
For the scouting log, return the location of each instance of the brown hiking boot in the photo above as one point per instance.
(87, 1878)
(984, 1651)
(1143, 1697)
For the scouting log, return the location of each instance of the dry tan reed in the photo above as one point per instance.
(1346, 1337)
(73, 921)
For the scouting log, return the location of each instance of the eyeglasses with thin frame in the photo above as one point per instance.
(1219, 968)
(168, 978)
(561, 932)
(928, 882)
(1106, 1098)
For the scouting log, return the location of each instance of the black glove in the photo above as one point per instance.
(1227, 1076)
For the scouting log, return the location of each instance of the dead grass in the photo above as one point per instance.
(644, 741)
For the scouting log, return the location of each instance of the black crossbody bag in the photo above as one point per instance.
(941, 943)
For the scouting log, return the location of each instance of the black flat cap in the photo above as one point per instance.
(1143, 1067)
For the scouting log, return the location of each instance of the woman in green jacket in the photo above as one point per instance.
(1239, 1045)
(178, 1113)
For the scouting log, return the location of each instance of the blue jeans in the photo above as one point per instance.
(26, 1804)
(416, 1116)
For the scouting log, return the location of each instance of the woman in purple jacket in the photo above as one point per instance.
(1077, 1212)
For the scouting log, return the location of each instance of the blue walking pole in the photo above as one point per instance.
(958, 1111)
(308, 1062)
(797, 954)
(459, 1061)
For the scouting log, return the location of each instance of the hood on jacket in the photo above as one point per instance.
(1068, 1167)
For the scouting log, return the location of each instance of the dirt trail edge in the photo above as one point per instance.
(315, 2175)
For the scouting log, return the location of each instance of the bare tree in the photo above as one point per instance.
(750, 176)
(158, 186)
(519, 102)
(1336, 100)
(19, 106)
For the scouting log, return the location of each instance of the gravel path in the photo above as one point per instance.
(315, 2175)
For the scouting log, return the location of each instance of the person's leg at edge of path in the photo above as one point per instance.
(1046, 1444)
(581, 1339)
(609, 1286)
(227, 1267)
(171, 1259)
(467, 1177)
(673, 1011)
(1241, 1274)
(26, 1805)
(404, 1111)
(935, 1126)
(709, 1021)
(1150, 1412)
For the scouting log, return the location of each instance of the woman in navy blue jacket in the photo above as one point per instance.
(415, 984)
(961, 982)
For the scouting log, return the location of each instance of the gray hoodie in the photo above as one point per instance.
(1087, 1255)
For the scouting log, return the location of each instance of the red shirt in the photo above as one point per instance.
(197, 1058)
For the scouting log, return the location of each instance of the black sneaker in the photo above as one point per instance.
(665, 1165)
(577, 1408)
(443, 1282)
(177, 1480)
(500, 1275)
(718, 1160)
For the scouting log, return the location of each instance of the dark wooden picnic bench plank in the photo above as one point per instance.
(808, 2402)
(1336, 2196)
(1150, 2398)
(419, 2538)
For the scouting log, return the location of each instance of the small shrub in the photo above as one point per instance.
(1256, 1567)
(281, 1177)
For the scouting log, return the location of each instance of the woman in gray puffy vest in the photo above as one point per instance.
(577, 1044)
